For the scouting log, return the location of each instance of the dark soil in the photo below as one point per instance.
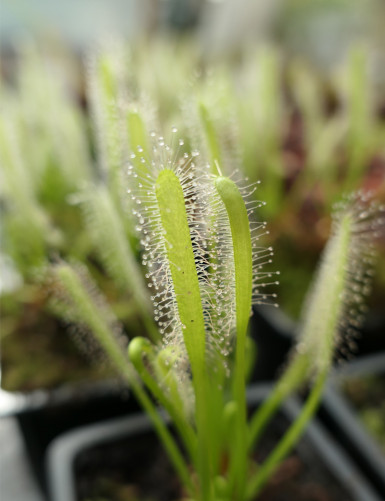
(41, 351)
(38, 351)
(138, 470)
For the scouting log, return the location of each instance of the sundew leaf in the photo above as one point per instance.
(210, 134)
(164, 202)
(334, 306)
(73, 286)
(182, 264)
(172, 209)
(359, 116)
(108, 232)
(137, 133)
(209, 117)
(105, 74)
(241, 238)
(16, 178)
(139, 140)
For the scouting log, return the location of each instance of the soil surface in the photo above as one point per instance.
(138, 470)
(39, 352)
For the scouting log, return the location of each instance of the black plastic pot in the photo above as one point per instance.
(371, 339)
(275, 333)
(339, 415)
(64, 450)
(43, 415)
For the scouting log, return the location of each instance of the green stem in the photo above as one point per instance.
(140, 347)
(162, 431)
(95, 320)
(289, 382)
(293, 434)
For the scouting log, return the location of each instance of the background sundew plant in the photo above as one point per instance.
(56, 205)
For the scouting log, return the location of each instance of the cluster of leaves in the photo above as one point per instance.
(307, 138)
(206, 264)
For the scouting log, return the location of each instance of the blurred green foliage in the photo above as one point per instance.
(308, 137)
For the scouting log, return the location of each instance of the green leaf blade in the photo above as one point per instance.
(180, 253)
(241, 238)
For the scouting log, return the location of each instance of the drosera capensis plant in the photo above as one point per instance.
(206, 268)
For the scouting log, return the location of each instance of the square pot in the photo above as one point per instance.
(45, 414)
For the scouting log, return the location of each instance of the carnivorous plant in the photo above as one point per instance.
(206, 268)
